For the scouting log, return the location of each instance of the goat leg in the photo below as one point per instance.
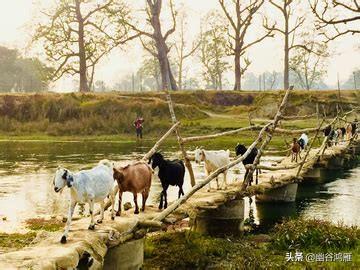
(102, 205)
(145, 195)
(165, 199)
(161, 199)
(257, 176)
(92, 222)
(136, 204)
(118, 213)
(217, 183)
(68, 222)
(112, 199)
(225, 183)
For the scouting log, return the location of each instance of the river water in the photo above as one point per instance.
(27, 170)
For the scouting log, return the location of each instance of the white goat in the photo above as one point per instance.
(87, 186)
(213, 160)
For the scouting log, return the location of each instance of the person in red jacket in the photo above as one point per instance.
(138, 124)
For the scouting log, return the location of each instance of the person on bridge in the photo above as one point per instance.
(138, 124)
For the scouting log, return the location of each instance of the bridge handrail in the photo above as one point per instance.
(265, 130)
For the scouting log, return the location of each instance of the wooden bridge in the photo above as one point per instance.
(119, 244)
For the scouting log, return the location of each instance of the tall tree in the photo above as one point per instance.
(153, 11)
(288, 11)
(309, 64)
(78, 33)
(22, 74)
(150, 72)
(343, 17)
(183, 51)
(213, 50)
(240, 19)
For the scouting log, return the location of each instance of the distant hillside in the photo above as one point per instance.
(114, 113)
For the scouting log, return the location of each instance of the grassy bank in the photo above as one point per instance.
(16, 241)
(108, 114)
(188, 250)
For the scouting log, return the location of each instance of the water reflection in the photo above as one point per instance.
(335, 198)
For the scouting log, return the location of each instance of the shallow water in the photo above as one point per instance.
(27, 168)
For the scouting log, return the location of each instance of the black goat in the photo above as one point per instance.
(240, 149)
(171, 172)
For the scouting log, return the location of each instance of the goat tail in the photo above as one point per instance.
(106, 163)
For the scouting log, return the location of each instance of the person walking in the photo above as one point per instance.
(138, 124)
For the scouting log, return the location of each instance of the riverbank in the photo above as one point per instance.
(200, 112)
(188, 250)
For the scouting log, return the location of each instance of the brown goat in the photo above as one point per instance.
(134, 178)
(295, 150)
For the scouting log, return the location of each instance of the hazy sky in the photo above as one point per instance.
(17, 16)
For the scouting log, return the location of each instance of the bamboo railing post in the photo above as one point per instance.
(179, 139)
(276, 120)
(159, 142)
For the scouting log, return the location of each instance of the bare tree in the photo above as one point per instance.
(182, 51)
(77, 34)
(308, 64)
(153, 11)
(272, 80)
(288, 11)
(240, 19)
(343, 17)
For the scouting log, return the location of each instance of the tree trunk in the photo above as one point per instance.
(237, 72)
(180, 75)
(84, 86)
(286, 52)
(167, 78)
(171, 76)
(286, 62)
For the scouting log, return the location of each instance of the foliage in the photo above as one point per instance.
(183, 250)
(308, 63)
(302, 234)
(213, 52)
(77, 34)
(22, 74)
(189, 250)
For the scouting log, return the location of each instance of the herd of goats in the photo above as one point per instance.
(95, 185)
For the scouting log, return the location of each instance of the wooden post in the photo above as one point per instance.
(179, 139)
(225, 133)
(317, 112)
(270, 131)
